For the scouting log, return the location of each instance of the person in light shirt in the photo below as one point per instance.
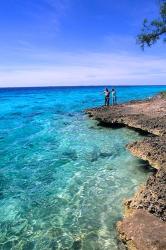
(114, 100)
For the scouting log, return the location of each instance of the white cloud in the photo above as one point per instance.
(86, 69)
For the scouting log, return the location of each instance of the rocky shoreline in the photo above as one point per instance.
(143, 226)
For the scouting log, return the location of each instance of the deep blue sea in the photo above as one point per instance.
(63, 179)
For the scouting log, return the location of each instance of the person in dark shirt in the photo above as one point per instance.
(107, 97)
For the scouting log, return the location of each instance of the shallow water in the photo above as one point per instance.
(63, 178)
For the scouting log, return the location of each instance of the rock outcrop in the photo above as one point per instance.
(143, 231)
(151, 197)
(143, 226)
(152, 149)
(148, 116)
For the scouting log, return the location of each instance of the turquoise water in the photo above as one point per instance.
(63, 178)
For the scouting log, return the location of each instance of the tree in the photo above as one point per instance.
(152, 31)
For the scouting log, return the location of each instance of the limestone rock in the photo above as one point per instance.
(143, 231)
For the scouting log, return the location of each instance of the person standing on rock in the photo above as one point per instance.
(113, 92)
(107, 97)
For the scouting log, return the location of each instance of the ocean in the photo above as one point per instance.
(63, 178)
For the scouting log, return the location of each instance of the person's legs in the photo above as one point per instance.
(105, 101)
(113, 101)
(108, 101)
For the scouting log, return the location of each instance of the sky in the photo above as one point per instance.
(77, 42)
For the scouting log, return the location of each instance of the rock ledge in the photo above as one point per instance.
(143, 226)
(143, 231)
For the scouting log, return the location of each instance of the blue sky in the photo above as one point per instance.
(77, 42)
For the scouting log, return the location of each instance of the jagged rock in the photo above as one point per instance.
(152, 149)
(148, 115)
(151, 197)
(142, 231)
(143, 227)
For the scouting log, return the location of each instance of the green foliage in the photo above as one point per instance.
(152, 31)
(163, 94)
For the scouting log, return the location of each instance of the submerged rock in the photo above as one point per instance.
(70, 154)
(77, 245)
(105, 154)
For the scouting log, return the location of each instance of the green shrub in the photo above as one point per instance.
(163, 94)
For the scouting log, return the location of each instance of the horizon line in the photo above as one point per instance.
(76, 86)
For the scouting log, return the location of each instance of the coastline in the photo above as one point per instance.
(143, 226)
